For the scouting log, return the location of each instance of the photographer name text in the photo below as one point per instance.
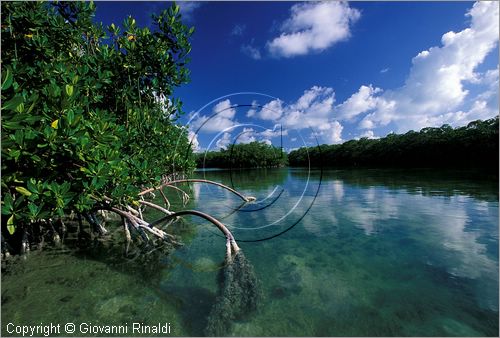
(86, 328)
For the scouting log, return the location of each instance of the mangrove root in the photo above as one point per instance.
(196, 180)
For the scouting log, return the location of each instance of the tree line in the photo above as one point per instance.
(85, 115)
(474, 145)
(249, 155)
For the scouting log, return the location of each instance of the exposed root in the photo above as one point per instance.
(165, 199)
(233, 246)
(157, 207)
(185, 196)
(97, 226)
(127, 235)
(196, 180)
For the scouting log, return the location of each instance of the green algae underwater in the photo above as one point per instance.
(337, 253)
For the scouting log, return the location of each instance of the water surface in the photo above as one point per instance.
(338, 253)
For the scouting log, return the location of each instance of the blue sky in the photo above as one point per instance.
(329, 72)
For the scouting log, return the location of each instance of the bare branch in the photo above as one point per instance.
(196, 180)
(157, 207)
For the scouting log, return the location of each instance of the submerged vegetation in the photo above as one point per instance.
(474, 145)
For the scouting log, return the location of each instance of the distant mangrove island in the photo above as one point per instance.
(474, 145)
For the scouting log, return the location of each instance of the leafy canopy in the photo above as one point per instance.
(243, 155)
(87, 110)
(474, 145)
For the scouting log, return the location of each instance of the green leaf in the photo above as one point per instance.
(10, 225)
(71, 117)
(33, 99)
(33, 209)
(20, 108)
(7, 206)
(32, 185)
(23, 191)
(13, 103)
(54, 90)
(7, 78)
(69, 89)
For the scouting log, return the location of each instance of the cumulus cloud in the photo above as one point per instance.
(437, 88)
(251, 135)
(224, 141)
(271, 110)
(272, 133)
(313, 27)
(221, 119)
(246, 136)
(193, 139)
(361, 101)
(314, 109)
(332, 132)
(368, 134)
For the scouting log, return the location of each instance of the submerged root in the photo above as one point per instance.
(239, 295)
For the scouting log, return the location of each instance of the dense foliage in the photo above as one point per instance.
(87, 110)
(475, 145)
(249, 155)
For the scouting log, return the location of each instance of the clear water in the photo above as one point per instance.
(338, 253)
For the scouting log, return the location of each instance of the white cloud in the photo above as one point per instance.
(251, 51)
(314, 109)
(313, 27)
(221, 119)
(246, 136)
(224, 141)
(368, 134)
(253, 110)
(187, 8)
(250, 135)
(193, 139)
(332, 132)
(385, 70)
(272, 110)
(437, 89)
(360, 102)
(275, 132)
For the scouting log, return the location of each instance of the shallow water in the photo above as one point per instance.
(338, 253)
